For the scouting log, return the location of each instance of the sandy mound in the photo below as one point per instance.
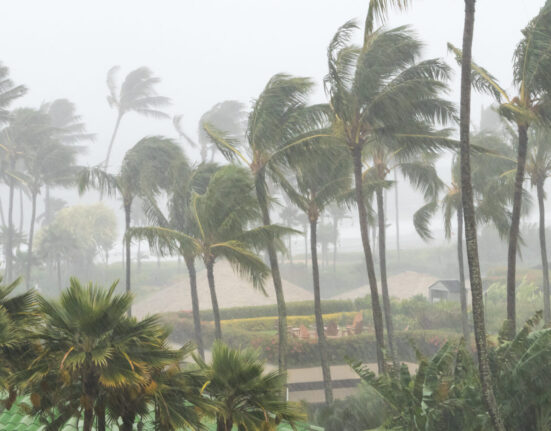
(404, 285)
(231, 290)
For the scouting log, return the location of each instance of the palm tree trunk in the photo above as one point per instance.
(362, 214)
(47, 207)
(139, 256)
(195, 305)
(290, 250)
(9, 238)
(276, 277)
(127, 244)
(2, 218)
(58, 264)
(209, 263)
(89, 394)
(21, 217)
(335, 239)
(322, 342)
(30, 244)
(100, 413)
(396, 207)
(113, 136)
(470, 222)
(382, 268)
(543, 248)
(514, 232)
(462, 288)
(128, 422)
(306, 245)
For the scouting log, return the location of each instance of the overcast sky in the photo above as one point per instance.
(207, 51)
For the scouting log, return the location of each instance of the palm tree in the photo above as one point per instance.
(16, 318)
(320, 181)
(337, 213)
(229, 116)
(538, 168)
(380, 92)
(181, 218)
(221, 216)
(530, 107)
(147, 168)
(95, 347)
(8, 93)
(245, 395)
(416, 166)
(136, 94)
(279, 124)
(470, 222)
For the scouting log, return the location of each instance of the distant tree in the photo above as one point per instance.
(147, 168)
(136, 94)
(8, 93)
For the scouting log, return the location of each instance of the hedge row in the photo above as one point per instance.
(270, 323)
(303, 308)
(304, 353)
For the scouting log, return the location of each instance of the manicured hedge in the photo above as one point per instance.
(304, 308)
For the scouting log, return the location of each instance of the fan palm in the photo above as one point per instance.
(16, 317)
(377, 92)
(531, 106)
(538, 168)
(320, 181)
(147, 168)
(136, 94)
(221, 216)
(8, 93)
(245, 395)
(278, 127)
(470, 221)
(95, 347)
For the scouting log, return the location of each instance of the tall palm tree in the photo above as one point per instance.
(416, 166)
(221, 218)
(381, 91)
(245, 395)
(136, 94)
(147, 168)
(181, 218)
(8, 93)
(320, 181)
(470, 221)
(279, 124)
(531, 106)
(538, 168)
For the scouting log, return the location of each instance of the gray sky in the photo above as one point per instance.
(207, 51)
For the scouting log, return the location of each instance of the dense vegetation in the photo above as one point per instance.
(386, 114)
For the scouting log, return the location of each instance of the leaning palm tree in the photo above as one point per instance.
(147, 168)
(531, 106)
(377, 92)
(320, 181)
(279, 125)
(470, 221)
(245, 395)
(538, 168)
(8, 93)
(181, 218)
(136, 94)
(221, 217)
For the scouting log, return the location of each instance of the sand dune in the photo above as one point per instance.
(404, 285)
(231, 290)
